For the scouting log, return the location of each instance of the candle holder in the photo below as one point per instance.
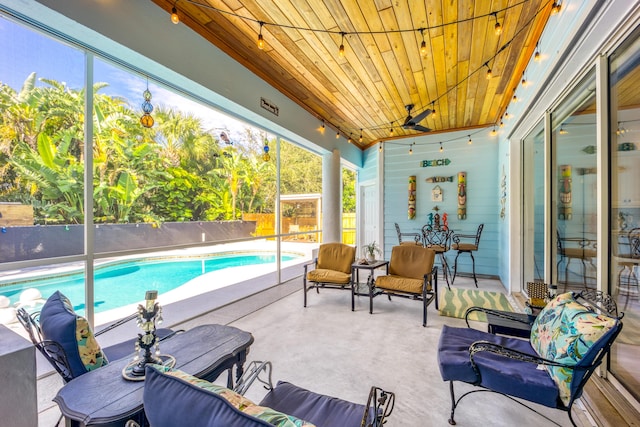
(147, 346)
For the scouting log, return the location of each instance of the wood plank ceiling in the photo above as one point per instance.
(365, 91)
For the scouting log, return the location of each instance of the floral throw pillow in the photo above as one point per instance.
(564, 332)
(240, 402)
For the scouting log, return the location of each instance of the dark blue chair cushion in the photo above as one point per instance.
(61, 324)
(498, 373)
(171, 401)
(321, 410)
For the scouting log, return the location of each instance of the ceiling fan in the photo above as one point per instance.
(412, 122)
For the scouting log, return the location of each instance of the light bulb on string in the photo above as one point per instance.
(380, 147)
(536, 56)
(441, 149)
(524, 80)
(341, 49)
(174, 14)
(494, 132)
(391, 130)
(486, 64)
(497, 27)
(470, 141)
(423, 45)
(360, 135)
(260, 38)
(411, 148)
(556, 7)
(433, 109)
(338, 133)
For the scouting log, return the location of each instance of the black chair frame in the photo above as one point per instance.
(456, 239)
(595, 300)
(308, 285)
(439, 238)
(427, 296)
(414, 237)
(379, 400)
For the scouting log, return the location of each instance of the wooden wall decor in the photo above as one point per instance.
(462, 195)
(412, 197)
(564, 188)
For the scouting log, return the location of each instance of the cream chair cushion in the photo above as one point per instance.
(334, 264)
(407, 268)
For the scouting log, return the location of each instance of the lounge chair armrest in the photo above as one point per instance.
(381, 402)
(480, 346)
(306, 266)
(498, 313)
(252, 374)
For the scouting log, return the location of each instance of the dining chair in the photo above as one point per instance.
(413, 238)
(466, 248)
(440, 242)
(630, 261)
(574, 248)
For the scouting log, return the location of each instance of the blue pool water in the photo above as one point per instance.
(125, 283)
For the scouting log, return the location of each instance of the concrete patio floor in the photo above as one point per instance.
(330, 349)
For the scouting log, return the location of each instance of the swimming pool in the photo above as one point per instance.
(122, 283)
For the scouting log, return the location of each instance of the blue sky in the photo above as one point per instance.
(23, 51)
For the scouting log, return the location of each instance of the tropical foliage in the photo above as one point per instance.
(175, 171)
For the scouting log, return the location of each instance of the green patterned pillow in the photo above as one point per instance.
(564, 332)
(240, 402)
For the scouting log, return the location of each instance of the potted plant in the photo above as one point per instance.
(370, 251)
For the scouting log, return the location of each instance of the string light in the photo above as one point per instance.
(563, 131)
(515, 98)
(174, 14)
(555, 8)
(494, 132)
(391, 130)
(423, 45)
(433, 109)
(470, 141)
(498, 27)
(360, 135)
(536, 56)
(260, 38)
(411, 148)
(524, 80)
(441, 149)
(501, 123)
(380, 147)
(350, 140)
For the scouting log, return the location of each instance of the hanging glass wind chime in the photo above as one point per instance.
(146, 120)
(266, 155)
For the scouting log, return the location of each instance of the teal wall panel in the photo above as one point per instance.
(479, 160)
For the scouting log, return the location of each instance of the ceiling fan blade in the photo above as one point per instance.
(418, 118)
(420, 128)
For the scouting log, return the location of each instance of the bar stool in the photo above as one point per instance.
(468, 248)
